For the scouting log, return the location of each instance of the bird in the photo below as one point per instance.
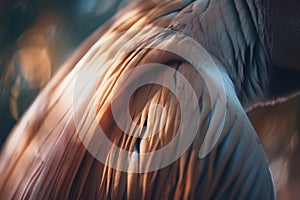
(55, 151)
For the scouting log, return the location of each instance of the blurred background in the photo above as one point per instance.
(37, 36)
(278, 127)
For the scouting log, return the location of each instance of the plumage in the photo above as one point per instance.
(45, 156)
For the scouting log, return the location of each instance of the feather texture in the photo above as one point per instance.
(45, 157)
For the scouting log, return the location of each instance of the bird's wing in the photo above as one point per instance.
(57, 149)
